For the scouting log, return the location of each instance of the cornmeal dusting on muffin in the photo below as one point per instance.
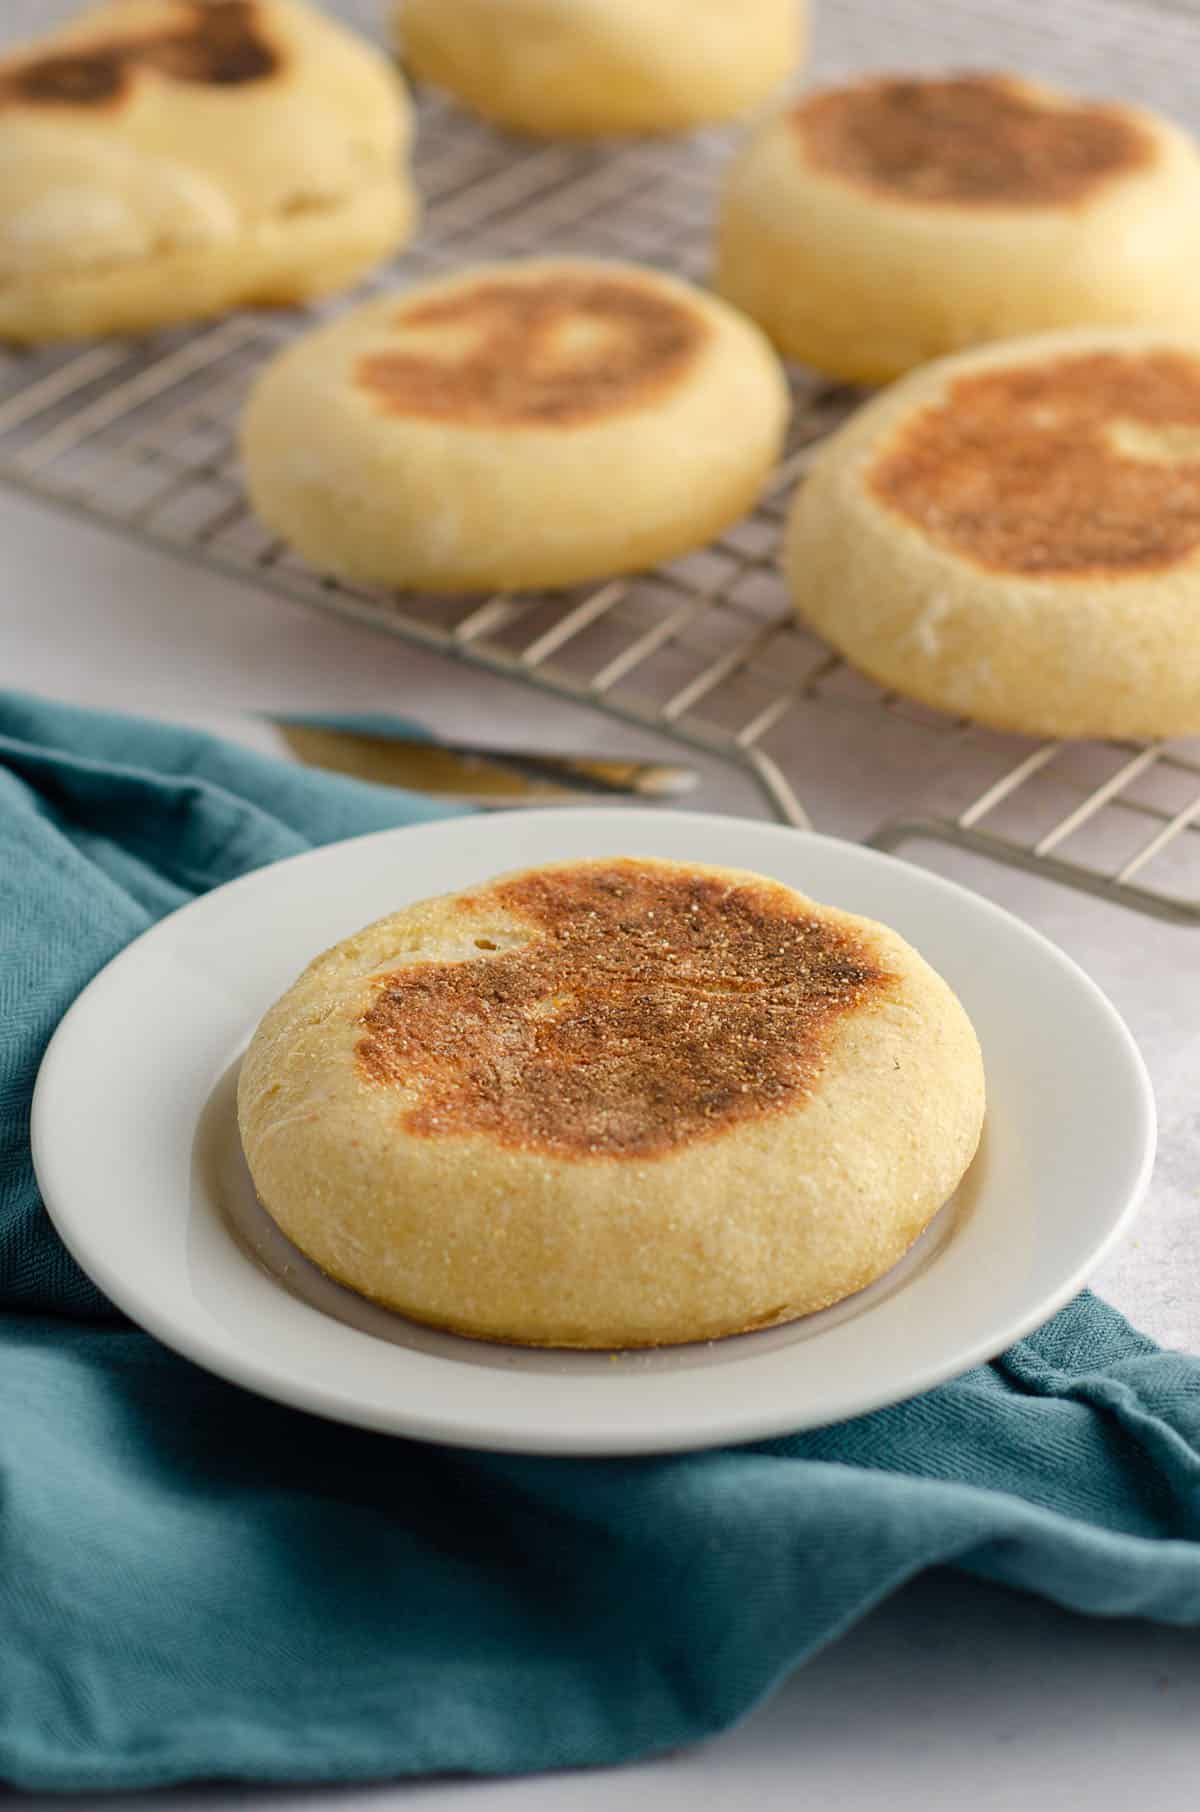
(646, 1010)
(1087, 466)
(974, 140)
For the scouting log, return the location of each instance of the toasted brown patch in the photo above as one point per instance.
(975, 140)
(1083, 466)
(559, 351)
(221, 45)
(649, 1009)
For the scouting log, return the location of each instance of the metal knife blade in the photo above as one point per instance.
(480, 775)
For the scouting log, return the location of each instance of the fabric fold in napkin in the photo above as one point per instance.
(201, 1584)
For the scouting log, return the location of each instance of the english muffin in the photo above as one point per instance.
(874, 227)
(612, 1103)
(525, 424)
(1014, 535)
(166, 160)
(584, 67)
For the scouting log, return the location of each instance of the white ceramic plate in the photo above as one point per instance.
(136, 1148)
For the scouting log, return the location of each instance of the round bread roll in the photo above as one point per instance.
(874, 227)
(612, 1103)
(1013, 535)
(528, 424)
(584, 67)
(166, 160)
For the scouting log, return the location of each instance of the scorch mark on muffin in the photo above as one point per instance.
(1085, 466)
(222, 45)
(650, 1010)
(559, 350)
(969, 141)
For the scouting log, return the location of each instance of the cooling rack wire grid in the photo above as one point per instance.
(140, 436)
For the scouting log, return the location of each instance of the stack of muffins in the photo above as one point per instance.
(1009, 532)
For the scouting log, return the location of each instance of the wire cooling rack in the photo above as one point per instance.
(141, 436)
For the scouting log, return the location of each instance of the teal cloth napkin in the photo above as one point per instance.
(197, 1583)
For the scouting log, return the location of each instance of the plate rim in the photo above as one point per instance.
(244, 1367)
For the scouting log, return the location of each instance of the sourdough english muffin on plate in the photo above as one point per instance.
(166, 160)
(528, 424)
(140, 1162)
(582, 67)
(1014, 535)
(879, 225)
(611, 1103)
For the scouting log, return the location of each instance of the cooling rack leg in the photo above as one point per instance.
(780, 796)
